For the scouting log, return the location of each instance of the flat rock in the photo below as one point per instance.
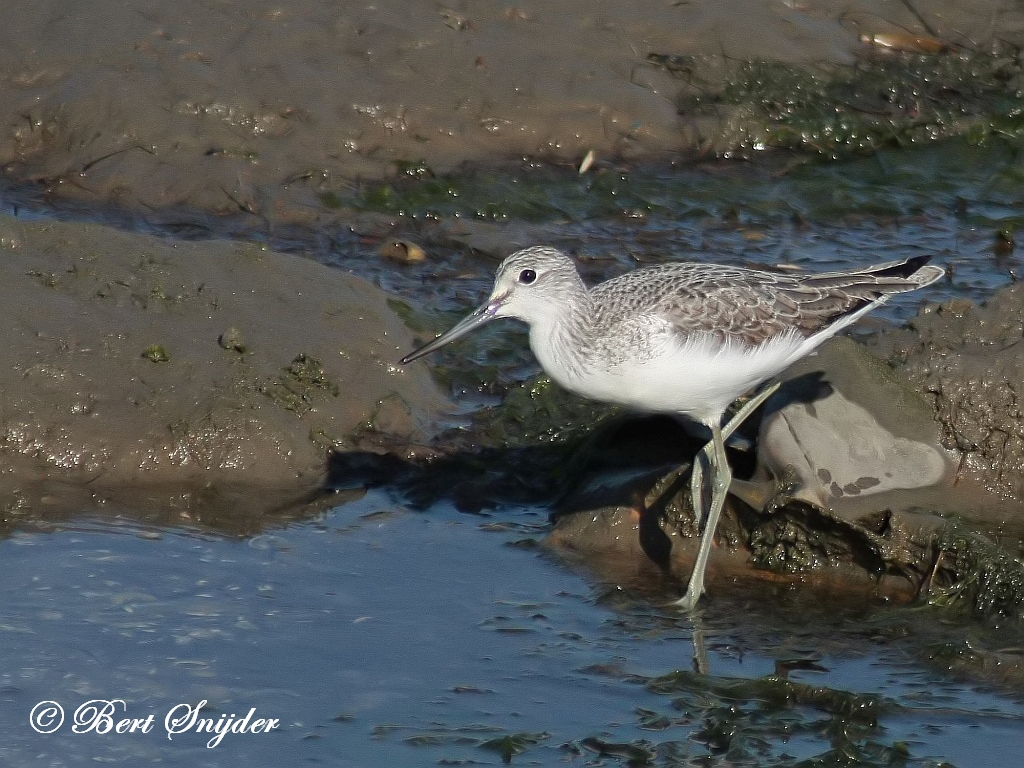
(847, 428)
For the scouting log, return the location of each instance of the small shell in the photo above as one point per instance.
(402, 252)
(588, 160)
(906, 43)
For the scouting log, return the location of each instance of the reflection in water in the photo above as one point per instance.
(381, 636)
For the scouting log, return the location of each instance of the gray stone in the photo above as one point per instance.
(845, 427)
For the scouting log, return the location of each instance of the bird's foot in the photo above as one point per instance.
(687, 602)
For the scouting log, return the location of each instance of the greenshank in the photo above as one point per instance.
(683, 338)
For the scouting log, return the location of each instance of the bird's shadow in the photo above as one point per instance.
(616, 457)
(567, 476)
(616, 464)
(804, 389)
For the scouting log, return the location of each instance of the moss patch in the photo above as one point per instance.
(892, 100)
(300, 385)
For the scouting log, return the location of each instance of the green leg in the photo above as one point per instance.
(721, 477)
(748, 408)
(718, 469)
(697, 484)
(697, 471)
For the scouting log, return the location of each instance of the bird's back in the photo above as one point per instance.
(750, 306)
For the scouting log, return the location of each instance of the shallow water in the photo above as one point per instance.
(948, 201)
(383, 637)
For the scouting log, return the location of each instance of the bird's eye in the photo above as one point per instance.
(527, 276)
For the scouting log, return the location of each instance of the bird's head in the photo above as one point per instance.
(532, 285)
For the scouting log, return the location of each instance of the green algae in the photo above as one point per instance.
(978, 179)
(300, 385)
(539, 411)
(512, 744)
(156, 353)
(893, 100)
(808, 116)
(978, 575)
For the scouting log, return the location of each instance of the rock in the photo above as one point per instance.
(847, 428)
(849, 475)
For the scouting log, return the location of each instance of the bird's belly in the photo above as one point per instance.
(675, 391)
(697, 380)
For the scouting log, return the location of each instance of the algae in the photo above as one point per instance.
(156, 353)
(539, 411)
(892, 100)
(300, 385)
(978, 575)
(513, 744)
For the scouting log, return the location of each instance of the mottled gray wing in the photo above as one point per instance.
(754, 307)
(749, 306)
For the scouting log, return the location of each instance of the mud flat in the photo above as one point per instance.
(134, 361)
(277, 112)
(137, 362)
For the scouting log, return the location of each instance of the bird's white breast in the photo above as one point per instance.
(698, 376)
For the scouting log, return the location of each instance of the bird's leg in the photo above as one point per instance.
(746, 409)
(697, 470)
(697, 485)
(721, 477)
(720, 474)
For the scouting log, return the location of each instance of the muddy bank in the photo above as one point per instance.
(968, 361)
(276, 112)
(137, 361)
(201, 364)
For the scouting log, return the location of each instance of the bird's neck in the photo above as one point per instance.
(558, 339)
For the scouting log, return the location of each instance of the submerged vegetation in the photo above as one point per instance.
(982, 578)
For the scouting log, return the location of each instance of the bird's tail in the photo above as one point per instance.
(880, 280)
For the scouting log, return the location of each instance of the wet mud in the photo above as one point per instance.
(362, 133)
(136, 361)
(277, 113)
(223, 223)
(967, 361)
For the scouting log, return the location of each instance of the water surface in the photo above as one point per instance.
(379, 636)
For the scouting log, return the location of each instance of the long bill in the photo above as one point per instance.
(464, 326)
